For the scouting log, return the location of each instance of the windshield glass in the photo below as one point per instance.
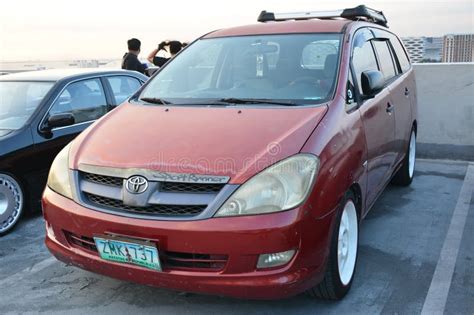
(293, 68)
(18, 101)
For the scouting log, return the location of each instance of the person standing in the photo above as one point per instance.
(174, 47)
(130, 60)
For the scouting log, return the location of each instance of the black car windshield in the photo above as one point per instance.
(18, 101)
(294, 69)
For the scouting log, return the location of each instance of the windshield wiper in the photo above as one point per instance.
(222, 101)
(233, 100)
(155, 100)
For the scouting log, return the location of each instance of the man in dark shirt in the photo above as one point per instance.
(130, 60)
(174, 48)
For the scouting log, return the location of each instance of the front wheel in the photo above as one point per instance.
(404, 175)
(11, 202)
(343, 254)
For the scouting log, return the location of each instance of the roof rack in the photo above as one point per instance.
(360, 12)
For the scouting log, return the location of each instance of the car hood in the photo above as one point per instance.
(224, 141)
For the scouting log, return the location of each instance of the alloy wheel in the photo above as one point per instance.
(11, 202)
(412, 154)
(347, 243)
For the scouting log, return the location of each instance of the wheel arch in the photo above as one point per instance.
(357, 191)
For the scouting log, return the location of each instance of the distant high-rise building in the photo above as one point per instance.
(414, 46)
(458, 48)
(433, 49)
(424, 49)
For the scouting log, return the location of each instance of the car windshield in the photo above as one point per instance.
(18, 101)
(291, 69)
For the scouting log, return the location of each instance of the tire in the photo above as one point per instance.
(405, 174)
(12, 202)
(339, 272)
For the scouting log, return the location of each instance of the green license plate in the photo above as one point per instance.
(124, 251)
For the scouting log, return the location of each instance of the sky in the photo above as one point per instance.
(95, 29)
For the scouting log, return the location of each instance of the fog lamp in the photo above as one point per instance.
(275, 259)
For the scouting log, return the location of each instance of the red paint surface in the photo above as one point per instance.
(200, 140)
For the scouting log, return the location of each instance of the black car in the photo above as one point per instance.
(41, 112)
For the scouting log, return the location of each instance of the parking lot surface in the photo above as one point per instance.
(400, 244)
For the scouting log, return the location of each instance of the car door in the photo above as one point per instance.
(86, 101)
(402, 90)
(122, 87)
(377, 118)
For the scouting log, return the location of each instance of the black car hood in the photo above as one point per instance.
(4, 132)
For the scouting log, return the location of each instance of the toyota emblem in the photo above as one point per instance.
(136, 184)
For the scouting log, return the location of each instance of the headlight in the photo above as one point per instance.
(280, 187)
(58, 179)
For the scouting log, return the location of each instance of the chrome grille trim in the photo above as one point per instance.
(154, 175)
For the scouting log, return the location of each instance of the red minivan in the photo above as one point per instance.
(244, 166)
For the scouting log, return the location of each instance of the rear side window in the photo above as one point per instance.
(363, 57)
(400, 52)
(123, 87)
(385, 59)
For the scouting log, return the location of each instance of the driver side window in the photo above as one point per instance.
(85, 100)
(363, 56)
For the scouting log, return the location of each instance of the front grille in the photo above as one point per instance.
(169, 260)
(190, 187)
(166, 210)
(197, 196)
(103, 180)
(165, 186)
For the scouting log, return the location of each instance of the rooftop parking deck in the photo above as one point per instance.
(399, 268)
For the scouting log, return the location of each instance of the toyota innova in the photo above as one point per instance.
(245, 165)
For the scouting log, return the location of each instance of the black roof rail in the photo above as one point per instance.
(360, 12)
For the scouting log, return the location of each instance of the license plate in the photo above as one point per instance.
(144, 255)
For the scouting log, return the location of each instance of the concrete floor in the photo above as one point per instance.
(400, 244)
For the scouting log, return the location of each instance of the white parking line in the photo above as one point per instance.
(435, 301)
(28, 271)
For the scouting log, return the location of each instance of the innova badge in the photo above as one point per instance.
(136, 184)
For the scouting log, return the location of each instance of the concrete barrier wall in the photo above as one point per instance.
(445, 110)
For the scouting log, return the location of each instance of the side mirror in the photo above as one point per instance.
(60, 120)
(372, 82)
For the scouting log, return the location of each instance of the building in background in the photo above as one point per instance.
(414, 46)
(424, 49)
(433, 49)
(458, 48)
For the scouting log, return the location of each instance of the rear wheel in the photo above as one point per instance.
(343, 254)
(11, 202)
(404, 175)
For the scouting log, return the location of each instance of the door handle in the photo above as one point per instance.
(407, 91)
(390, 108)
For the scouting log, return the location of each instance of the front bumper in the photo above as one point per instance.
(241, 239)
